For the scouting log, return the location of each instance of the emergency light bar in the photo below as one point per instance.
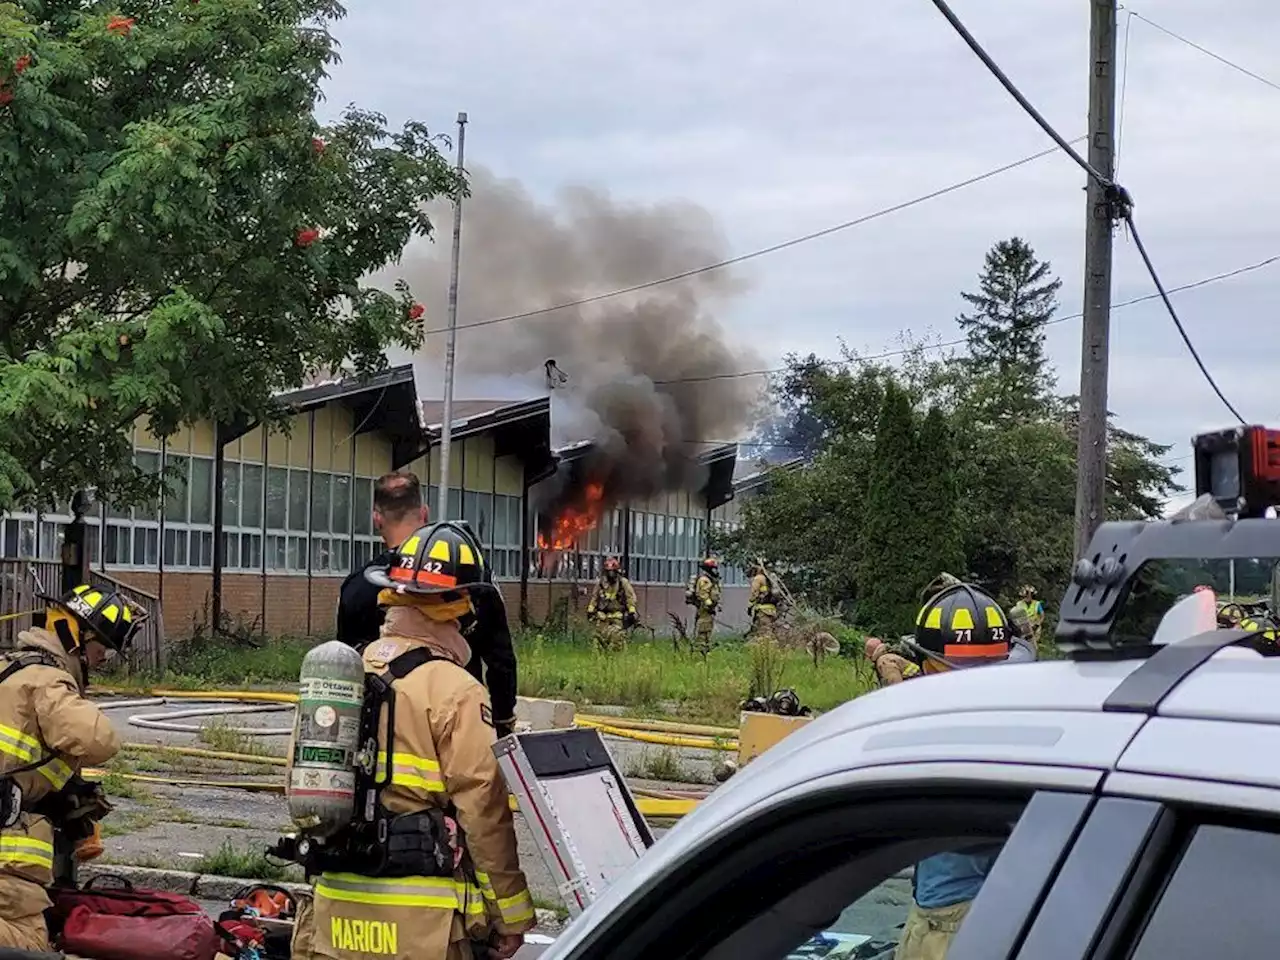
(1239, 468)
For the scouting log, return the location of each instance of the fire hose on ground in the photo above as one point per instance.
(651, 803)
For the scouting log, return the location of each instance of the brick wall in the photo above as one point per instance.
(187, 601)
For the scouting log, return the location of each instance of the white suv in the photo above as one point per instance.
(1137, 802)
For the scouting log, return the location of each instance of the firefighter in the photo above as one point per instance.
(48, 731)
(704, 597)
(612, 607)
(957, 628)
(445, 785)
(763, 600)
(1033, 608)
(891, 667)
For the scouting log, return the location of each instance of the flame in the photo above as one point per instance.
(574, 520)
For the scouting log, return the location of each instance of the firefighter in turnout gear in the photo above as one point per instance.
(958, 627)
(705, 600)
(48, 731)
(612, 607)
(764, 600)
(1034, 610)
(446, 802)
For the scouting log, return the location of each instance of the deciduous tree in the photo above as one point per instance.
(180, 237)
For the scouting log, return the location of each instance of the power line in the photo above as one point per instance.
(957, 342)
(1142, 250)
(763, 251)
(1124, 88)
(1207, 52)
(1116, 196)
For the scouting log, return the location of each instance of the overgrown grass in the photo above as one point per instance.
(649, 677)
(231, 861)
(654, 679)
(205, 663)
(114, 784)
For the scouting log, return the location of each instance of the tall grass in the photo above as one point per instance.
(653, 679)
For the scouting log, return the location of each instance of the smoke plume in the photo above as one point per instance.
(635, 364)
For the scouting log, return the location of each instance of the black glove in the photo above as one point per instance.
(630, 620)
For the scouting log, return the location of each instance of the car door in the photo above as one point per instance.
(828, 874)
(1149, 880)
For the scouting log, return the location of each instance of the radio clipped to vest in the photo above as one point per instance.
(338, 774)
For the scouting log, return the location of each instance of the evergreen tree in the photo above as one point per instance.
(893, 526)
(1017, 295)
(939, 495)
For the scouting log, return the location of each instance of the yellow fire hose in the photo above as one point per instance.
(264, 760)
(666, 739)
(662, 726)
(662, 732)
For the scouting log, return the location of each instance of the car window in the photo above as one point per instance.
(1220, 900)
(850, 879)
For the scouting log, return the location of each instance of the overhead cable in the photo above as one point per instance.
(1204, 282)
(763, 251)
(1206, 51)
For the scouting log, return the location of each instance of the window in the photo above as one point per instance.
(178, 473)
(251, 496)
(231, 494)
(341, 504)
(833, 879)
(362, 507)
(175, 547)
(298, 497)
(277, 498)
(1219, 900)
(201, 490)
(321, 489)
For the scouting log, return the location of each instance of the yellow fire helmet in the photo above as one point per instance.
(101, 615)
(440, 558)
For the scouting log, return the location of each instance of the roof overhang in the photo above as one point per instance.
(386, 402)
(720, 463)
(521, 429)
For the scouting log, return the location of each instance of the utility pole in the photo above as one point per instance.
(451, 347)
(1091, 467)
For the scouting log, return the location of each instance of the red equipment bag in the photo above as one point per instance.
(125, 923)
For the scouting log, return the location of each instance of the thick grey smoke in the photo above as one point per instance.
(620, 354)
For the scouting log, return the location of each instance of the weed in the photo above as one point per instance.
(663, 764)
(220, 735)
(228, 861)
(554, 906)
(114, 784)
(120, 824)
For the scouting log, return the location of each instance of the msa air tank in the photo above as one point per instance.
(322, 780)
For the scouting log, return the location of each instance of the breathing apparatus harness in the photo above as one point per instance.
(378, 843)
(74, 808)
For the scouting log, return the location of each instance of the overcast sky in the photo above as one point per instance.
(785, 117)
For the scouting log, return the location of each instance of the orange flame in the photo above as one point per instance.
(574, 520)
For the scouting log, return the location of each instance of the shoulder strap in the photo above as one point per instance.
(409, 661)
(27, 660)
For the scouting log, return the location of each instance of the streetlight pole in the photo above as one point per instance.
(451, 347)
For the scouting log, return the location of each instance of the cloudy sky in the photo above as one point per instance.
(782, 118)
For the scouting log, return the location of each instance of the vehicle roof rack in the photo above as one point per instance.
(1104, 576)
(1146, 688)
